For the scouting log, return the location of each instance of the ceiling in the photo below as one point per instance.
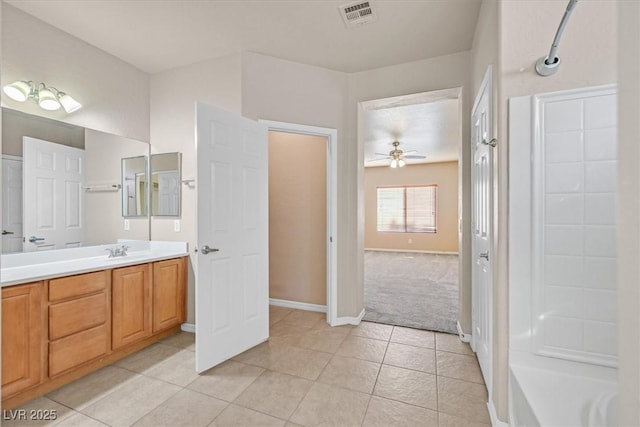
(431, 128)
(157, 35)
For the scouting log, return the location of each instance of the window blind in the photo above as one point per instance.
(407, 209)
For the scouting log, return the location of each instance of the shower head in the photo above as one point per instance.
(548, 65)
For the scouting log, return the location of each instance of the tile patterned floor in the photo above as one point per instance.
(307, 374)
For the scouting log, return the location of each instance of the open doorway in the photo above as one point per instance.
(411, 189)
(302, 218)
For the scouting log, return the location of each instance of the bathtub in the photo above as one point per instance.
(552, 392)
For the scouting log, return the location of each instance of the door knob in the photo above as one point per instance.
(492, 143)
(206, 249)
(5, 232)
(484, 255)
(34, 239)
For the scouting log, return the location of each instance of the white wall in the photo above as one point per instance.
(420, 76)
(173, 97)
(275, 89)
(114, 94)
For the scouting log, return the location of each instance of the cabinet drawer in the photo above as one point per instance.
(76, 349)
(77, 315)
(75, 286)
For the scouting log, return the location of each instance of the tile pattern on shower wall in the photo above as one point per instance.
(578, 286)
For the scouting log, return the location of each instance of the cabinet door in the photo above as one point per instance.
(168, 293)
(131, 304)
(22, 332)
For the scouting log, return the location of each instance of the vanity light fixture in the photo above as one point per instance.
(48, 97)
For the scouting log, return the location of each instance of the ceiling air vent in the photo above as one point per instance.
(357, 13)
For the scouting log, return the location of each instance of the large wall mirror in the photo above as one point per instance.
(165, 184)
(135, 187)
(92, 208)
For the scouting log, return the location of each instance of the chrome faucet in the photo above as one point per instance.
(117, 251)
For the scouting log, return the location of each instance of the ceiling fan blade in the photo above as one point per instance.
(381, 158)
(411, 151)
(382, 154)
(413, 156)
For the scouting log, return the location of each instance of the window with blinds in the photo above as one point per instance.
(407, 209)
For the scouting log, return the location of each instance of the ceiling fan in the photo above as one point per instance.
(397, 156)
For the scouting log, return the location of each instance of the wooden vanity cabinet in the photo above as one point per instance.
(79, 320)
(22, 337)
(169, 281)
(131, 304)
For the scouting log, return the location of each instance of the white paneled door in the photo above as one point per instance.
(11, 204)
(232, 280)
(53, 213)
(481, 226)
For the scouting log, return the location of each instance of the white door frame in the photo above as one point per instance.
(332, 204)
(486, 85)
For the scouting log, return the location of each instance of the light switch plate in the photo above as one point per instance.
(176, 225)
(127, 226)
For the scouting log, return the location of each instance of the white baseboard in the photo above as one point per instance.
(415, 251)
(463, 337)
(339, 321)
(298, 305)
(188, 327)
(495, 422)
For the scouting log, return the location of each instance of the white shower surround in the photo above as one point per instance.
(562, 161)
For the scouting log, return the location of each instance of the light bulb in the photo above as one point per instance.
(68, 103)
(394, 163)
(401, 162)
(47, 100)
(18, 91)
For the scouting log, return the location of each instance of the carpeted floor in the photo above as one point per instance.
(411, 289)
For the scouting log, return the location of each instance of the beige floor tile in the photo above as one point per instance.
(178, 369)
(413, 387)
(263, 355)
(275, 394)
(184, 340)
(277, 313)
(186, 408)
(324, 340)
(343, 329)
(301, 362)
(446, 420)
(415, 337)
(363, 348)
(237, 416)
(385, 413)
(373, 330)
(148, 357)
(79, 420)
(463, 399)
(410, 357)
(131, 402)
(23, 415)
(305, 319)
(459, 366)
(327, 405)
(226, 381)
(354, 374)
(452, 343)
(282, 329)
(93, 387)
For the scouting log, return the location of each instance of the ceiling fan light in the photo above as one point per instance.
(394, 163)
(68, 103)
(18, 91)
(47, 100)
(401, 163)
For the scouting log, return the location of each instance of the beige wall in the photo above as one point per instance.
(420, 76)
(629, 214)
(114, 94)
(286, 91)
(445, 176)
(298, 217)
(103, 210)
(173, 96)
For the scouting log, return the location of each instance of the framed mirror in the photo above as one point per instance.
(135, 187)
(165, 184)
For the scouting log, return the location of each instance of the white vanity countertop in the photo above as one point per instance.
(33, 266)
